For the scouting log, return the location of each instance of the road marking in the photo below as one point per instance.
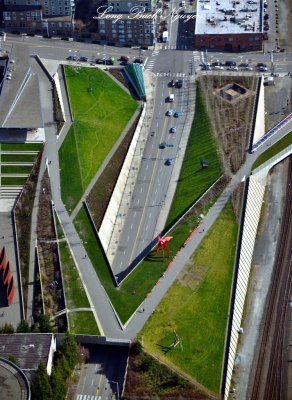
(135, 213)
(147, 167)
(132, 226)
(141, 190)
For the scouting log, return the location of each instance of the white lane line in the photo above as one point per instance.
(131, 226)
(141, 189)
(128, 238)
(134, 216)
(147, 167)
(138, 201)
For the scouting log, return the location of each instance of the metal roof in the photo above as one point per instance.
(228, 16)
(29, 349)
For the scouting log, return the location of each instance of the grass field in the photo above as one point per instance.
(273, 150)
(15, 181)
(74, 291)
(16, 158)
(135, 287)
(16, 169)
(194, 180)
(20, 146)
(196, 307)
(83, 322)
(101, 110)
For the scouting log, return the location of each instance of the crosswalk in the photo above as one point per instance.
(172, 74)
(87, 397)
(197, 56)
(151, 60)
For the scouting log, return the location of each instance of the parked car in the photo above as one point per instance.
(168, 161)
(206, 67)
(171, 83)
(262, 67)
(246, 67)
(72, 58)
(124, 62)
(178, 83)
(83, 59)
(162, 145)
(100, 61)
(169, 113)
(124, 58)
(176, 114)
(172, 129)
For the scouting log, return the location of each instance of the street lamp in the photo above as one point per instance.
(118, 393)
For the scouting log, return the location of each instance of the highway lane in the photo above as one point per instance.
(150, 192)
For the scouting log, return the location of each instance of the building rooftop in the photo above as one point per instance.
(228, 16)
(29, 349)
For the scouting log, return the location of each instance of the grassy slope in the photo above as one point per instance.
(196, 307)
(194, 180)
(273, 150)
(99, 118)
(83, 322)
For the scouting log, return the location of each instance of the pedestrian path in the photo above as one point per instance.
(197, 56)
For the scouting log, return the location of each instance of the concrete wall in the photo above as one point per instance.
(259, 129)
(58, 88)
(111, 214)
(249, 227)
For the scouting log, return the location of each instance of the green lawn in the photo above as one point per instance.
(135, 287)
(15, 181)
(101, 110)
(16, 169)
(273, 150)
(196, 307)
(20, 146)
(18, 158)
(74, 291)
(83, 322)
(194, 180)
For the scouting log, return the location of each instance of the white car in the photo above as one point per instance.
(172, 129)
(169, 113)
(8, 77)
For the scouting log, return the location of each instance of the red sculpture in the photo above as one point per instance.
(162, 245)
(6, 276)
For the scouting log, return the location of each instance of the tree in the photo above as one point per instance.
(45, 324)
(23, 327)
(63, 367)
(7, 328)
(58, 383)
(41, 389)
(70, 350)
(83, 354)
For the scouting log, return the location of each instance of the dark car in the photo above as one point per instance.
(124, 58)
(124, 62)
(138, 61)
(99, 61)
(73, 58)
(83, 59)
(230, 63)
(259, 65)
(168, 161)
(178, 83)
(171, 83)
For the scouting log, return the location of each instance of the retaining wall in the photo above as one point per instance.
(259, 128)
(252, 204)
(109, 219)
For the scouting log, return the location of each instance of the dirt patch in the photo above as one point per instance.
(149, 379)
(192, 275)
(231, 122)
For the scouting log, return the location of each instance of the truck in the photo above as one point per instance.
(165, 36)
(171, 98)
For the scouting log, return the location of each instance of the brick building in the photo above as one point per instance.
(229, 25)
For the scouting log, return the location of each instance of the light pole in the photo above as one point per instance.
(118, 393)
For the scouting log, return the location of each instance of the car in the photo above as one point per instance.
(12, 61)
(246, 67)
(266, 16)
(178, 83)
(162, 145)
(124, 58)
(168, 161)
(206, 68)
(100, 61)
(138, 61)
(218, 67)
(171, 83)
(8, 77)
(169, 113)
(83, 59)
(262, 69)
(233, 68)
(73, 58)
(124, 62)
(176, 114)
(230, 63)
(172, 129)
(261, 65)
